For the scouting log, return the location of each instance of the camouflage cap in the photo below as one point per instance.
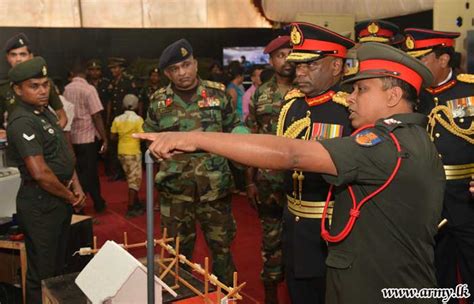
(377, 60)
(176, 52)
(17, 41)
(94, 64)
(33, 68)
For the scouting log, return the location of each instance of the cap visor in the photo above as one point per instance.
(302, 57)
(419, 53)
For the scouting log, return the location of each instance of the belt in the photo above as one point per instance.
(459, 171)
(309, 209)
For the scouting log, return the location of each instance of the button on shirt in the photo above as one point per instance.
(86, 103)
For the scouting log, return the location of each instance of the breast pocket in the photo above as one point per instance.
(340, 259)
(168, 121)
(211, 119)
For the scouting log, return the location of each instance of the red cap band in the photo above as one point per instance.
(402, 72)
(426, 43)
(380, 33)
(319, 45)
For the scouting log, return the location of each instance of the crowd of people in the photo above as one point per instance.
(361, 176)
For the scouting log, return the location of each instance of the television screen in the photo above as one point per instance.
(253, 54)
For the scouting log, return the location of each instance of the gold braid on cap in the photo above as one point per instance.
(449, 124)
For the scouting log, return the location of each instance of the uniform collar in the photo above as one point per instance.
(31, 108)
(322, 98)
(448, 83)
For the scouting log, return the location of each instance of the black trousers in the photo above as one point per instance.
(45, 221)
(86, 168)
(455, 249)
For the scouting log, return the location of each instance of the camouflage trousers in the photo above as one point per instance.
(271, 201)
(216, 221)
(132, 166)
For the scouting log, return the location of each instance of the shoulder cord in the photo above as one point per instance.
(356, 207)
(451, 126)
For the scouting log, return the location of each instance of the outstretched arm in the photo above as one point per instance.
(256, 150)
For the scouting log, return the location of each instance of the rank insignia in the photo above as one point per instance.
(410, 42)
(391, 121)
(373, 28)
(367, 138)
(295, 35)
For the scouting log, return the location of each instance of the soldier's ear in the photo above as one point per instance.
(17, 89)
(395, 96)
(338, 66)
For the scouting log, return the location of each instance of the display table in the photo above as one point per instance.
(63, 289)
(81, 236)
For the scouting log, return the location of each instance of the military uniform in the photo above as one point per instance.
(116, 91)
(145, 96)
(390, 183)
(195, 186)
(391, 243)
(264, 110)
(8, 100)
(321, 117)
(309, 118)
(44, 218)
(450, 109)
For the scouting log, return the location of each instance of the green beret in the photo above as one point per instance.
(94, 64)
(176, 52)
(17, 41)
(377, 60)
(33, 68)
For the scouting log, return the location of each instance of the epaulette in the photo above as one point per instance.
(469, 78)
(341, 98)
(213, 85)
(157, 93)
(292, 94)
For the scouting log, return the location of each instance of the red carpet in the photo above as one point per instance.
(246, 247)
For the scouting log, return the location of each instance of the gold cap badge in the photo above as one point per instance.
(410, 43)
(295, 35)
(44, 70)
(373, 28)
(184, 52)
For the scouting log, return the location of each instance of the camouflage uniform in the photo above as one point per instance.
(264, 110)
(196, 185)
(145, 96)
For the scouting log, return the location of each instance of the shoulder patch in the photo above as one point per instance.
(213, 85)
(341, 98)
(292, 94)
(469, 78)
(367, 138)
